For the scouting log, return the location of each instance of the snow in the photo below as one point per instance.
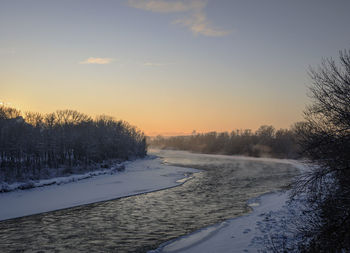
(140, 176)
(4, 187)
(247, 233)
(234, 235)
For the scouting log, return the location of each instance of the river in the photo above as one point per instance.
(140, 223)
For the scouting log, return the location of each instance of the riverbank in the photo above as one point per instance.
(251, 232)
(241, 234)
(140, 176)
(143, 222)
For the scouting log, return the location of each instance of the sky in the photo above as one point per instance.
(169, 66)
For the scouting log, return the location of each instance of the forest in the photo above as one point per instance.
(34, 145)
(264, 142)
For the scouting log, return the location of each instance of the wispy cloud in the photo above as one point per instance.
(199, 24)
(154, 64)
(167, 6)
(94, 60)
(195, 18)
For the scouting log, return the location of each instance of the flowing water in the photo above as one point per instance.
(140, 223)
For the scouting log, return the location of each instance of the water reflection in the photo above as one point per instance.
(141, 223)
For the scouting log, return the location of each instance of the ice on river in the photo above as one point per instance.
(140, 176)
(234, 235)
(240, 234)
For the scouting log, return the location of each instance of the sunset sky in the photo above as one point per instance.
(168, 67)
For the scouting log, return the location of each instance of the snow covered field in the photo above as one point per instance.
(140, 176)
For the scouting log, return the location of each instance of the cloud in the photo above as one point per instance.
(199, 24)
(167, 6)
(93, 60)
(195, 18)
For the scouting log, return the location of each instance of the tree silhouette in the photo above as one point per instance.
(325, 140)
(61, 142)
(266, 141)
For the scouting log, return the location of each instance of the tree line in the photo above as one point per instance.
(32, 143)
(266, 141)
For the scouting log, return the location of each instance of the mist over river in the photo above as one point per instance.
(140, 223)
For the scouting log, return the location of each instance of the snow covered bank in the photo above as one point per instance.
(140, 176)
(247, 233)
(235, 235)
(5, 187)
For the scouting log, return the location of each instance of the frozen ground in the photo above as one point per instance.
(140, 176)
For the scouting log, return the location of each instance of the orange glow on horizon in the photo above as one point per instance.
(181, 122)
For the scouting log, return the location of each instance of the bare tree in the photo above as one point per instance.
(61, 141)
(266, 141)
(325, 139)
